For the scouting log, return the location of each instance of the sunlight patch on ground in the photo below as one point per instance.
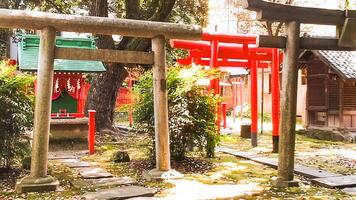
(230, 166)
(191, 189)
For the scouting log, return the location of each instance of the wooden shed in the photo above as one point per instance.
(331, 88)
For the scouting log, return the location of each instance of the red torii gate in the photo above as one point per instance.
(221, 50)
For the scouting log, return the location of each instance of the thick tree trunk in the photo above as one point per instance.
(104, 87)
(103, 94)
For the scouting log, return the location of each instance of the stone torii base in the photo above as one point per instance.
(158, 175)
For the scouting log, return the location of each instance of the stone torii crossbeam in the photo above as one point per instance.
(48, 24)
(293, 16)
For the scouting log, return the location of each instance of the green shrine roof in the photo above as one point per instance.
(28, 48)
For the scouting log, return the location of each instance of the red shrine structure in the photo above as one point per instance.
(70, 89)
(219, 50)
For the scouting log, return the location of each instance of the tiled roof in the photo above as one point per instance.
(28, 50)
(344, 62)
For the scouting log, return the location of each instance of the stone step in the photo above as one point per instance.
(124, 192)
(336, 182)
(74, 163)
(102, 182)
(57, 155)
(351, 191)
(94, 173)
(311, 172)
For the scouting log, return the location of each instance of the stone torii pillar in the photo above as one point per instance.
(288, 107)
(38, 180)
(163, 164)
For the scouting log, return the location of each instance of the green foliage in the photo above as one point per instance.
(16, 113)
(191, 111)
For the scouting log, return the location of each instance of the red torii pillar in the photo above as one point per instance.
(275, 98)
(214, 84)
(254, 106)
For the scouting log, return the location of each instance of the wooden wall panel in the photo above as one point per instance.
(333, 94)
(349, 96)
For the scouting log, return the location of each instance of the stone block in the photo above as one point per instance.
(102, 182)
(69, 128)
(124, 192)
(29, 184)
(336, 182)
(93, 172)
(311, 172)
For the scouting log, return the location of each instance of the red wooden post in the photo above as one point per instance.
(214, 84)
(234, 98)
(130, 96)
(275, 99)
(254, 112)
(91, 136)
(223, 108)
(241, 100)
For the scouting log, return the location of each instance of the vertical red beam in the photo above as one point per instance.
(130, 96)
(275, 98)
(91, 134)
(241, 80)
(234, 99)
(254, 109)
(214, 84)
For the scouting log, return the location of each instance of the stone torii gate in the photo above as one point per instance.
(293, 16)
(48, 24)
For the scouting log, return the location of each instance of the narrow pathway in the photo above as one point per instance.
(94, 177)
(316, 176)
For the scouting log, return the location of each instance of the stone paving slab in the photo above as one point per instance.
(61, 157)
(240, 154)
(124, 192)
(94, 173)
(266, 161)
(308, 172)
(102, 182)
(75, 163)
(351, 191)
(311, 172)
(56, 155)
(336, 182)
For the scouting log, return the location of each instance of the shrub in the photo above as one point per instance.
(191, 111)
(16, 113)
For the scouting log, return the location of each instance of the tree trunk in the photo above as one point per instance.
(104, 87)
